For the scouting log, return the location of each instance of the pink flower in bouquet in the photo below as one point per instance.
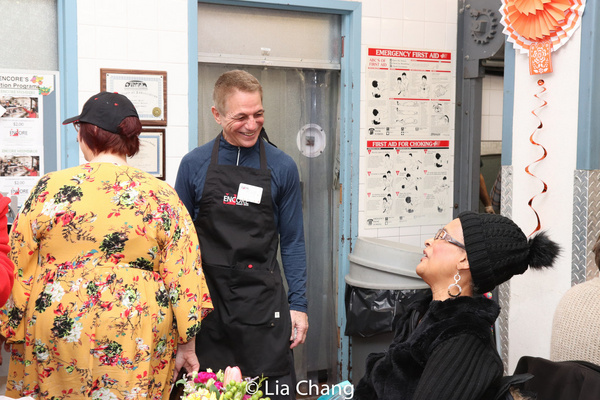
(203, 377)
(227, 385)
(232, 374)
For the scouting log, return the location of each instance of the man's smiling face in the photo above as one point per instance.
(242, 119)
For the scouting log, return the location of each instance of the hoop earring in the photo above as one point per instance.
(455, 284)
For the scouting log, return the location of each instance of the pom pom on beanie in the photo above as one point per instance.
(497, 249)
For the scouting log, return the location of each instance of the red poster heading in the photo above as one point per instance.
(410, 144)
(422, 54)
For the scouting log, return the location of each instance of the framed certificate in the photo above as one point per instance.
(151, 157)
(147, 90)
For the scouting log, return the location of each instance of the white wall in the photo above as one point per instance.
(152, 34)
(432, 24)
(406, 24)
(535, 295)
(491, 108)
(139, 34)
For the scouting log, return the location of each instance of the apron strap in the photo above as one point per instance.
(263, 155)
(264, 135)
(214, 157)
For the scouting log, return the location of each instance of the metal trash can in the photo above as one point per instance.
(383, 264)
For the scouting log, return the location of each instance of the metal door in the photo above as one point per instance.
(301, 118)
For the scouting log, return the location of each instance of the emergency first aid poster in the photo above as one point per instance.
(410, 135)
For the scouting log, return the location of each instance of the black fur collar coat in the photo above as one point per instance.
(441, 350)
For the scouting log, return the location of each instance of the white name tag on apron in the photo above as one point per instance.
(249, 193)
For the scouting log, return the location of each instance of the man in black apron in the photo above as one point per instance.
(244, 196)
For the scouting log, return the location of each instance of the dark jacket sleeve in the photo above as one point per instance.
(184, 186)
(366, 389)
(379, 367)
(461, 368)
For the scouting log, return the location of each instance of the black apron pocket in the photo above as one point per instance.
(243, 295)
(252, 299)
(250, 325)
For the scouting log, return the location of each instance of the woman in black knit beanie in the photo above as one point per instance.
(443, 347)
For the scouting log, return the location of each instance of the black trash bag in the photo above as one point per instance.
(373, 311)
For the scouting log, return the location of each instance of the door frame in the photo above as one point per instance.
(350, 14)
(69, 81)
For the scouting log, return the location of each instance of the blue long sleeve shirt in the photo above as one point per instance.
(286, 197)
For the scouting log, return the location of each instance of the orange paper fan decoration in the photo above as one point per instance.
(537, 19)
(530, 21)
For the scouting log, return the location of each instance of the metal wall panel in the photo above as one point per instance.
(286, 39)
(504, 289)
(593, 222)
(580, 227)
(586, 225)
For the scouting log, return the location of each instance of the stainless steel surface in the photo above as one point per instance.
(593, 222)
(286, 38)
(586, 219)
(293, 98)
(504, 289)
(29, 35)
(507, 189)
(580, 227)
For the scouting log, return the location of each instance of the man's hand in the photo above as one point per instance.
(186, 358)
(299, 328)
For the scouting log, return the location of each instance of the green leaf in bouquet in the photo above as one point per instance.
(213, 389)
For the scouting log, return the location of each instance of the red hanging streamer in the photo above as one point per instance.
(540, 126)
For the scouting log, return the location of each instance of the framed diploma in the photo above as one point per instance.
(147, 90)
(151, 157)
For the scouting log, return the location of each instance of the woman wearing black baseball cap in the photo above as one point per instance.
(108, 258)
